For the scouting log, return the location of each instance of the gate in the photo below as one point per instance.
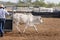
(9, 21)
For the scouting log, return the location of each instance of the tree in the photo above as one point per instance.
(50, 5)
(58, 4)
(9, 3)
(39, 3)
(20, 1)
(41, 0)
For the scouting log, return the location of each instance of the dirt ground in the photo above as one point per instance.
(49, 30)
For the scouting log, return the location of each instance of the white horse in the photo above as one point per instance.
(29, 20)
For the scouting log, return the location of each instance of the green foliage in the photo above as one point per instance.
(24, 3)
(9, 3)
(39, 3)
(58, 4)
(51, 5)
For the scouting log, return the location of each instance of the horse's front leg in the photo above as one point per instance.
(17, 27)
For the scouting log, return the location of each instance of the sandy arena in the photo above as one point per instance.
(49, 30)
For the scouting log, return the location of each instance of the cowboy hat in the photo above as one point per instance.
(1, 5)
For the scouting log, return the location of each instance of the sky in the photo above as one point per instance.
(53, 1)
(15, 1)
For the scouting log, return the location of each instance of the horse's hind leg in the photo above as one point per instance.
(25, 28)
(35, 28)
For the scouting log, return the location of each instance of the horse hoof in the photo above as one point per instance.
(19, 32)
(37, 32)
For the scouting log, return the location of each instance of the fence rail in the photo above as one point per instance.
(43, 14)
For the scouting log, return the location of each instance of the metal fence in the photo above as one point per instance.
(44, 12)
